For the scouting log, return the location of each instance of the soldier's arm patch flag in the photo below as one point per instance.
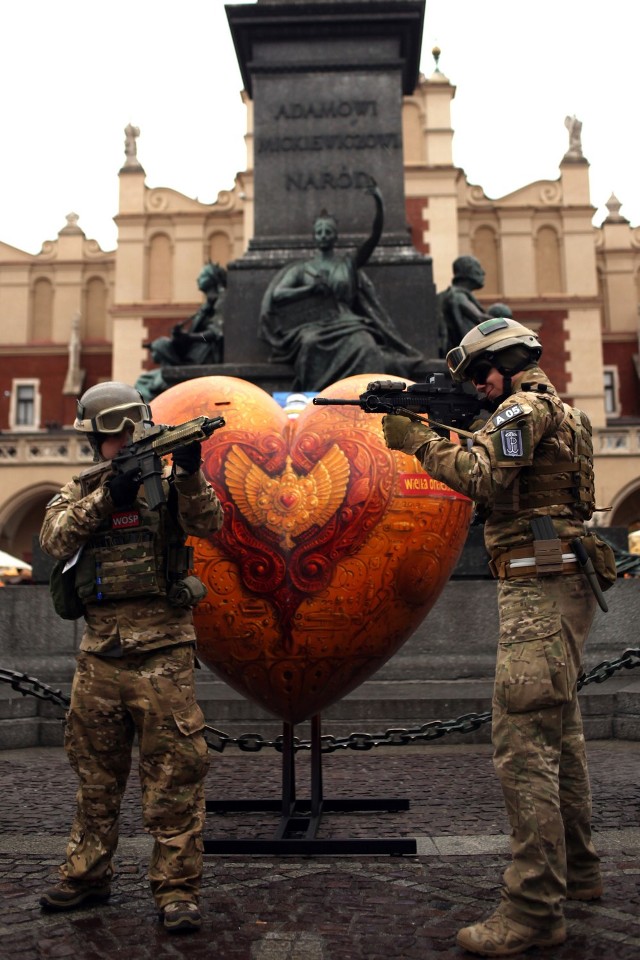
(511, 443)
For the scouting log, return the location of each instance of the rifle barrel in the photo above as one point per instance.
(211, 424)
(322, 401)
(197, 429)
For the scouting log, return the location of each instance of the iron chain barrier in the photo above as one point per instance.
(393, 737)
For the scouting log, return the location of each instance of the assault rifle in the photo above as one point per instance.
(448, 405)
(145, 455)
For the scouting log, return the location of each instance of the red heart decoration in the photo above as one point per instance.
(333, 550)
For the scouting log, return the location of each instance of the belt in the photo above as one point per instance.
(521, 562)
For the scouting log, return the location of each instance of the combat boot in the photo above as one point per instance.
(181, 916)
(68, 895)
(578, 891)
(499, 936)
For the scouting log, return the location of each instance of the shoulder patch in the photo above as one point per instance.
(505, 416)
(512, 445)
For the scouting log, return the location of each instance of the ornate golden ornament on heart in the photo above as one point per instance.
(333, 550)
(289, 504)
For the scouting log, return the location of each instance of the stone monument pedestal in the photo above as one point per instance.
(270, 377)
(326, 80)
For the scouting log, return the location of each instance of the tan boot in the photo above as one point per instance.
(501, 937)
(68, 895)
(577, 891)
(181, 916)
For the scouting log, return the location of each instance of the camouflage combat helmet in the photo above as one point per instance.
(503, 342)
(109, 408)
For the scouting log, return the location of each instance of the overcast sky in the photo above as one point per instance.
(73, 73)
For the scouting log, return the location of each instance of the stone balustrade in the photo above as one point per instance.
(65, 446)
(49, 446)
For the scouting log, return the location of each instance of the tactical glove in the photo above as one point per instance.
(400, 433)
(124, 487)
(188, 457)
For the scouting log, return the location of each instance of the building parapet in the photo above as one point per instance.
(617, 441)
(64, 446)
(51, 446)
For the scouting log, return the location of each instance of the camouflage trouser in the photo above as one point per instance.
(539, 748)
(111, 700)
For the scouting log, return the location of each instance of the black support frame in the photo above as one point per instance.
(296, 833)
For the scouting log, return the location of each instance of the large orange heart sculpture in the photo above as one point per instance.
(333, 550)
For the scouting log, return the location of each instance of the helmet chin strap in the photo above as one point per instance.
(507, 387)
(492, 405)
(94, 443)
(508, 375)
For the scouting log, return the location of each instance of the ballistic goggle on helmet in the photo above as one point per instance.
(109, 408)
(488, 339)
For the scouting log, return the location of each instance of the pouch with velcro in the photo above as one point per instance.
(603, 559)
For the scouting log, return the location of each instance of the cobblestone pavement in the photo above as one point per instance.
(322, 907)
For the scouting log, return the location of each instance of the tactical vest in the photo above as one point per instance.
(134, 553)
(561, 472)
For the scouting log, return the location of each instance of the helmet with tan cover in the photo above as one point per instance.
(500, 341)
(109, 408)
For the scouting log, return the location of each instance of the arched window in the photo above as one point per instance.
(548, 267)
(160, 269)
(95, 310)
(484, 247)
(220, 250)
(42, 307)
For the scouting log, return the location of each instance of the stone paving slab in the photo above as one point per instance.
(318, 908)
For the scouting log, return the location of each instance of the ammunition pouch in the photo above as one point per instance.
(603, 559)
(120, 567)
(186, 593)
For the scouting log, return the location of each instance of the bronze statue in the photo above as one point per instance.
(197, 340)
(324, 317)
(457, 309)
(500, 310)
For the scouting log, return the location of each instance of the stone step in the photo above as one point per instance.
(610, 710)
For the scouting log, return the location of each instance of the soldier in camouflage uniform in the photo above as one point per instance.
(134, 670)
(529, 471)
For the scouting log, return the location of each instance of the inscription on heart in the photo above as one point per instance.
(333, 550)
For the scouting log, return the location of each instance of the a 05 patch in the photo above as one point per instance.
(512, 445)
(505, 416)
